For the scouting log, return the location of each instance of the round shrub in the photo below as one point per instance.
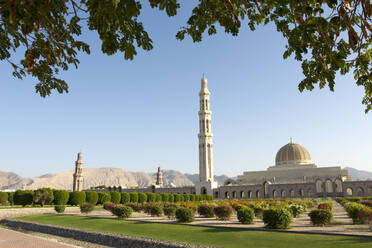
(164, 197)
(170, 211)
(156, 210)
(326, 205)
(151, 197)
(3, 198)
(205, 210)
(125, 198)
(245, 215)
(61, 197)
(134, 197)
(321, 217)
(59, 208)
(23, 197)
(77, 198)
(142, 197)
(184, 215)
(91, 197)
(223, 212)
(277, 218)
(115, 196)
(121, 211)
(86, 208)
(103, 197)
(43, 196)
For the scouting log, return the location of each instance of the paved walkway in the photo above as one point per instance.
(13, 239)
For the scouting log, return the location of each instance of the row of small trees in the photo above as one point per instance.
(47, 196)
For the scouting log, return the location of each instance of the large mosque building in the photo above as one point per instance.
(293, 175)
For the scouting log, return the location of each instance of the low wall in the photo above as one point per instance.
(108, 239)
(16, 212)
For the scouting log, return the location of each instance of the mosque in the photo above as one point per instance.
(294, 175)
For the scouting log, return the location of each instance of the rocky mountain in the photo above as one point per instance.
(359, 174)
(99, 176)
(116, 177)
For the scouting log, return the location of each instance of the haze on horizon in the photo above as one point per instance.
(139, 114)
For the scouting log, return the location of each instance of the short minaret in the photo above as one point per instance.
(78, 175)
(159, 178)
(206, 182)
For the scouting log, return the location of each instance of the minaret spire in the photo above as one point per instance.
(78, 175)
(206, 175)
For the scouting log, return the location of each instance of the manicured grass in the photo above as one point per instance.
(215, 236)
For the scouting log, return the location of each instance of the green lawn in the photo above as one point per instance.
(222, 237)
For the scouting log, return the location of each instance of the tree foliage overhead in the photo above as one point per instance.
(327, 36)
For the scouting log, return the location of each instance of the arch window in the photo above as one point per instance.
(329, 186)
(257, 194)
(284, 195)
(234, 194)
(301, 192)
(338, 185)
(249, 194)
(275, 194)
(241, 194)
(319, 186)
(291, 193)
(216, 194)
(360, 191)
(349, 191)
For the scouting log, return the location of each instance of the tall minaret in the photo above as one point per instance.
(159, 178)
(206, 174)
(78, 175)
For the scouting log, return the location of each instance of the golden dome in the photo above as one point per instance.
(292, 153)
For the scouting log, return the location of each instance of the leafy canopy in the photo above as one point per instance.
(327, 36)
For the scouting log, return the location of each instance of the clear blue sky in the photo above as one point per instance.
(137, 114)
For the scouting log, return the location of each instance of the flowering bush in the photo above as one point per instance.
(367, 203)
(184, 215)
(86, 208)
(170, 211)
(321, 217)
(353, 210)
(135, 207)
(206, 210)
(297, 209)
(245, 215)
(122, 211)
(108, 206)
(223, 212)
(156, 210)
(326, 205)
(277, 218)
(365, 215)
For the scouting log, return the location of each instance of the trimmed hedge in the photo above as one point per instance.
(121, 211)
(103, 197)
(142, 197)
(125, 198)
(115, 197)
(277, 218)
(3, 198)
(321, 217)
(24, 197)
(151, 197)
(61, 197)
(77, 198)
(43, 196)
(184, 215)
(133, 197)
(245, 215)
(11, 198)
(91, 197)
